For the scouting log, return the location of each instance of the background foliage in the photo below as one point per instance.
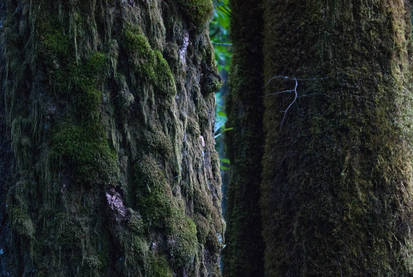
(219, 32)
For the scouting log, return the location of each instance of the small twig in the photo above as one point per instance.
(292, 78)
(289, 91)
(311, 94)
(274, 78)
(311, 79)
(279, 92)
(292, 103)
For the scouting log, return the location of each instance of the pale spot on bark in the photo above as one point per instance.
(116, 203)
(184, 48)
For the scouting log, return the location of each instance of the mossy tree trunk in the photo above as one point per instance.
(107, 163)
(243, 254)
(337, 169)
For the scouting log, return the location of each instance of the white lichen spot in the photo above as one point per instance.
(219, 237)
(115, 203)
(202, 141)
(184, 49)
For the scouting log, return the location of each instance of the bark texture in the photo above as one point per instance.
(107, 164)
(243, 254)
(337, 176)
(6, 160)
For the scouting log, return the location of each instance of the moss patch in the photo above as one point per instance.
(161, 211)
(153, 196)
(86, 152)
(147, 63)
(198, 12)
(54, 42)
(81, 142)
(183, 241)
(160, 267)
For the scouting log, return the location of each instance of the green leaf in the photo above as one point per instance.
(224, 160)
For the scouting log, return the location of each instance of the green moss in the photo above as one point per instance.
(136, 253)
(154, 198)
(158, 142)
(80, 84)
(135, 222)
(56, 42)
(183, 241)
(96, 64)
(202, 204)
(81, 77)
(147, 63)
(160, 267)
(137, 44)
(83, 146)
(87, 103)
(203, 229)
(197, 12)
(86, 152)
(164, 78)
(53, 38)
(161, 211)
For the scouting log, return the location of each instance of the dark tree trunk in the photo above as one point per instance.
(107, 163)
(337, 176)
(243, 255)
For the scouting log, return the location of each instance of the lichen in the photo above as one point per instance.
(21, 222)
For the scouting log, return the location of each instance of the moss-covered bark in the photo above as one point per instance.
(337, 188)
(109, 112)
(243, 255)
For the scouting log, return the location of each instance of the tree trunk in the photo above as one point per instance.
(107, 164)
(243, 254)
(337, 175)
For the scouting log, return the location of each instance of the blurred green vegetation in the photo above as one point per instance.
(219, 33)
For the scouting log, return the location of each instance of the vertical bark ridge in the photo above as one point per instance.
(243, 255)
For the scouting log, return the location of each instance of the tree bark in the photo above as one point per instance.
(108, 166)
(337, 171)
(243, 254)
